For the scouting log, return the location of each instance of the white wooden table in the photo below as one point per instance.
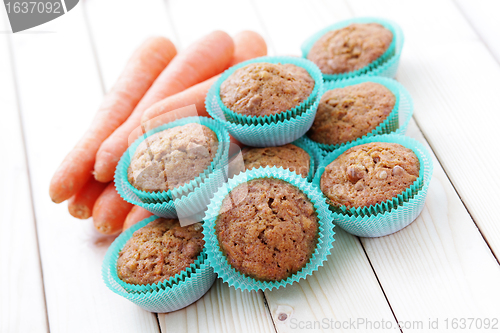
(443, 266)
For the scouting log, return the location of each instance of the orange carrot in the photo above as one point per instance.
(137, 214)
(194, 95)
(248, 45)
(81, 204)
(147, 62)
(110, 210)
(205, 58)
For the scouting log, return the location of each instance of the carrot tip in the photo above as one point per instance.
(79, 211)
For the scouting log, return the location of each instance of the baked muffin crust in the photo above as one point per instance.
(288, 156)
(158, 251)
(270, 232)
(262, 89)
(369, 174)
(173, 157)
(350, 48)
(345, 114)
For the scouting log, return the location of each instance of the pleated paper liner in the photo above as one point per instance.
(396, 122)
(386, 65)
(314, 152)
(240, 281)
(167, 296)
(238, 118)
(263, 135)
(118, 245)
(394, 214)
(121, 174)
(194, 202)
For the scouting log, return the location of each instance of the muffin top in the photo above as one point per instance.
(270, 232)
(262, 89)
(288, 156)
(173, 157)
(369, 174)
(345, 114)
(159, 251)
(350, 48)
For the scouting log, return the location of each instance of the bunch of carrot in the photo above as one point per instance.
(156, 80)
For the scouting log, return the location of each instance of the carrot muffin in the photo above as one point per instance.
(158, 251)
(271, 230)
(350, 48)
(345, 114)
(288, 156)
(369, 174)
(173, 157)
(262, 89)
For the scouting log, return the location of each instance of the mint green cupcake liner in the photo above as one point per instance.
(264, 135)
(191, 205)
(396, 122)
(394, 214)
(386, 65)
(179, 292)
(240, 281)
(121, 174)
(314, 153)
(237, 118)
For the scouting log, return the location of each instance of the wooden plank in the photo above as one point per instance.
(194, 19)
(483, 17)
(440, 274)
(451, 75)
(132, 22)
(222, 309)
(344, 290)
(297, 20)
(441, 262)
(59, 92)
(19, 259)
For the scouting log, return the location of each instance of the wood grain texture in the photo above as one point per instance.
(59, 92)
(454, 81)
(222, 309)
(19, 261)
(196, 18)
(483, 17)
(118, 27)
(439, 266)
(343, 290)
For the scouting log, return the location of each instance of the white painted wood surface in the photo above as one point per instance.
(19, 260)
(57, 104)
(483, 17)
(439, 267)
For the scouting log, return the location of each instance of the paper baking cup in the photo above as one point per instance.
(394, 214)
(314, 152)
(194, 202)
(396, 122)
(220, 159)
(177, 293)
(386, 65)
(264, 135)
(325, 233)
(238, 118)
